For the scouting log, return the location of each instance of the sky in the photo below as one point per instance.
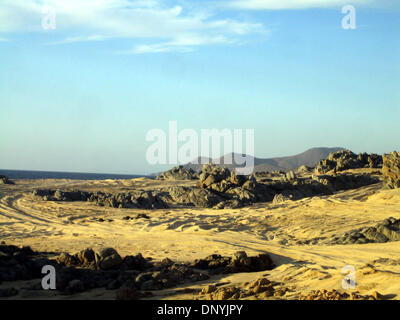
(82, 96)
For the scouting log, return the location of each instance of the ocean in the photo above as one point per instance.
(24, 174)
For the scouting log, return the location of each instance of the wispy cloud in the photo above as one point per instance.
(170, 28)
(185, 43)
(306, 4)
(79, 39)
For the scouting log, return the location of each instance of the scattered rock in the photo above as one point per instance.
(260, 289)
(90, 269)
(142, 216)
(335, 295)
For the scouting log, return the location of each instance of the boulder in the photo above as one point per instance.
(67, 260)
(243, 263)
(243, 195)
(136, 262)
(212, 174)
(108, 258)
(287, 195)
(86, 257)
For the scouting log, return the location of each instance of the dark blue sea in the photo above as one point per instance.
(22, 174)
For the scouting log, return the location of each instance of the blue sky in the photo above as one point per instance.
(82, 97)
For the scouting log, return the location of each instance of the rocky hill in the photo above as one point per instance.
(309, 158)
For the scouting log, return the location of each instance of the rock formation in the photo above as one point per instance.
(345, 159)
(218, 188)
(178, 173)
(391, 169)
(240, 262)
(386, 231)
(133, 200)
(5, 180)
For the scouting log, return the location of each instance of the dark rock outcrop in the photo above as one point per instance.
(5, 180)
(108, 258)
(132, 200)
(391, 169)
(260, 289)
(135, 199)
(193, 196)
(345, 159)
(178, 173)
(336, 295)
(345, 181)
(214, 178)
(386, 231)
(19, 263)
(236, 190)
(219, 188)
(240, 262)
(59, 195)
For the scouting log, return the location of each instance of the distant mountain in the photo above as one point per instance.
(309, 158)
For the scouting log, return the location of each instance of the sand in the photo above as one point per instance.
(186, 234)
